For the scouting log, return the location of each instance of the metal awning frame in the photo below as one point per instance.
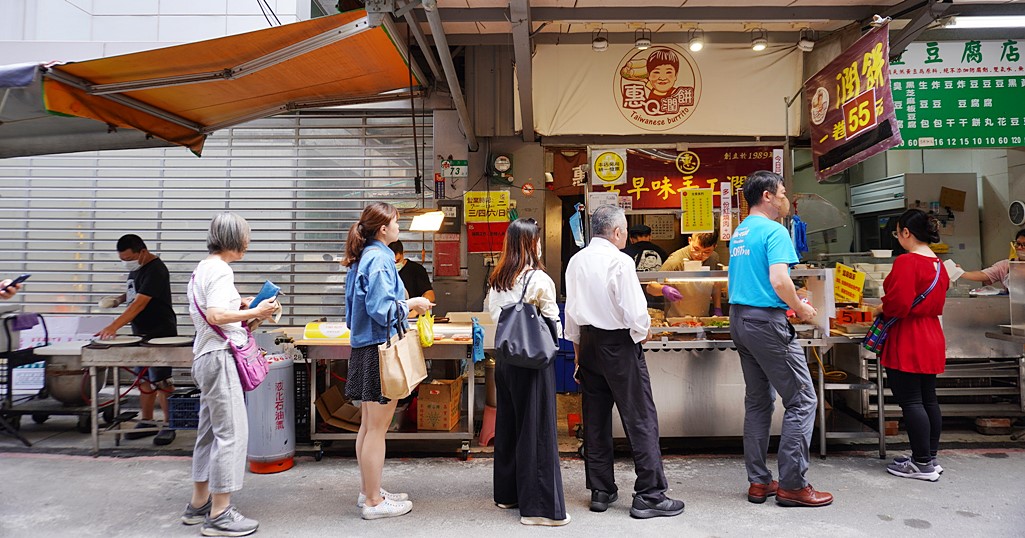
(114, 92)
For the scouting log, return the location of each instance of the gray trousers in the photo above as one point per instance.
(771, 359)
(223, 433)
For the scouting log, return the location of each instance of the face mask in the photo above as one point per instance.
(131, 265)
(400, 265)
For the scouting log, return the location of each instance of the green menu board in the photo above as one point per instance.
(960, 94)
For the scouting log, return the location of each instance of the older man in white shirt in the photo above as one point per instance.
(607, 320)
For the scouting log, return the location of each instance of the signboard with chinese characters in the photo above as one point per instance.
(698, 215)
(725, 213)
(485, 236)
(482, 206)
(655, 177)
(851, 108)
(452, 169)
(608, 167)
(960, 94)
(849, 286)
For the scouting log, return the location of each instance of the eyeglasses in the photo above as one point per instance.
(1020, 246)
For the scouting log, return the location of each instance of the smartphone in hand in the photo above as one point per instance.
(17, 281)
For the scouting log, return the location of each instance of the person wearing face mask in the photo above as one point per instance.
(414, 276)
(692, 298)
(1001, 270)
(148, 295)
(761, 291)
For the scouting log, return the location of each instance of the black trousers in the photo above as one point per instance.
(613, 371)
(916, 395)
(527, 468)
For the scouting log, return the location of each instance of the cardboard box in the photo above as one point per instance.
(437, 406)
(335, 410)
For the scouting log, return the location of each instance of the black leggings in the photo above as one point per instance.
(916, 394)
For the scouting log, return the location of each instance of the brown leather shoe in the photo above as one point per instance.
(757, 493)
(806, 496)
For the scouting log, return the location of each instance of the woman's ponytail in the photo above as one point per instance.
(354, 245)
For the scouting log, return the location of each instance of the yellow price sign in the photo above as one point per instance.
(849, 284)
(698, 215)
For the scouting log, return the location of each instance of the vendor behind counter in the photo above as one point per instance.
(698, 296)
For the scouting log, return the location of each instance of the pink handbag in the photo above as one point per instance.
(250, 360)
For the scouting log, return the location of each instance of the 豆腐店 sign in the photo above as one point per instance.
(655, 177)
(851, 107)
(663, 89)
(960, 94)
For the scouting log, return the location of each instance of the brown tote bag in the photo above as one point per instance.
(401, 360)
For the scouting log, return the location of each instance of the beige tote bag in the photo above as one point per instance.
(402, 361)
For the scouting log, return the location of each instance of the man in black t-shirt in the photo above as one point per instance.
(149, 311)
(647, 256)
(414, 276)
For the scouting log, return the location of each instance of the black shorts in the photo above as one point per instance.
(155, 374)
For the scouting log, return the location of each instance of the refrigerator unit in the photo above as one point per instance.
(876, 205)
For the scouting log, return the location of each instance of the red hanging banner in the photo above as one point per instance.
(655, 177)
(851, 106)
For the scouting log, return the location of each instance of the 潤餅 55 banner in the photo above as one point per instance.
(664, 90)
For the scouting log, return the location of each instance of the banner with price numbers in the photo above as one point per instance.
(851, 106)
(960, 94)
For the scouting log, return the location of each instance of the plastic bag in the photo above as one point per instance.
(425, 327)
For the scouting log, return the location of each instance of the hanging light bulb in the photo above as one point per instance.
(642, 39)
(695, 39)
(600, 40)
(759, 39)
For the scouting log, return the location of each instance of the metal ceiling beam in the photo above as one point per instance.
(519, 10)
(923, 18)
(425, 46)
(438, 31)
(584, 38)
(698, 14)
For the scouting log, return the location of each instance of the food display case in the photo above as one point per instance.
(696, 379)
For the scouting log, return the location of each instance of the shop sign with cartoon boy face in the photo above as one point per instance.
(658, 88)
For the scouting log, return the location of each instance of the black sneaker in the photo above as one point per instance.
(665, 508)
(164, 437)
(133, 435)
(600, 500)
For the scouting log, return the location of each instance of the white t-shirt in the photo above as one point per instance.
(540, 292)
(213, 285)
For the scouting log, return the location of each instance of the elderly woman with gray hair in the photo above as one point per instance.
(219, 459)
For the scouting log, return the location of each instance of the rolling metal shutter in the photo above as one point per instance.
(300, 180)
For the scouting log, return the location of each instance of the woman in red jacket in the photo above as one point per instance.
(915, 350)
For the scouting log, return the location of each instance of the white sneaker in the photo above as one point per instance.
(544, 521)
(361, 501)
(387, 508)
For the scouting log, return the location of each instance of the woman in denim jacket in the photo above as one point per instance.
(373, 294)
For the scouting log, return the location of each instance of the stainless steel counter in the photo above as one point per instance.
(966, 321)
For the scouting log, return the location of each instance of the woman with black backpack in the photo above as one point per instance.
(527, 473)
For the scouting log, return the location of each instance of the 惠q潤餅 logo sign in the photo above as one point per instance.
(658, 88)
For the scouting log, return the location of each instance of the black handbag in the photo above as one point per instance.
(523, 337)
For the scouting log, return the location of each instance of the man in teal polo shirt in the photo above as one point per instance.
(761, 253)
